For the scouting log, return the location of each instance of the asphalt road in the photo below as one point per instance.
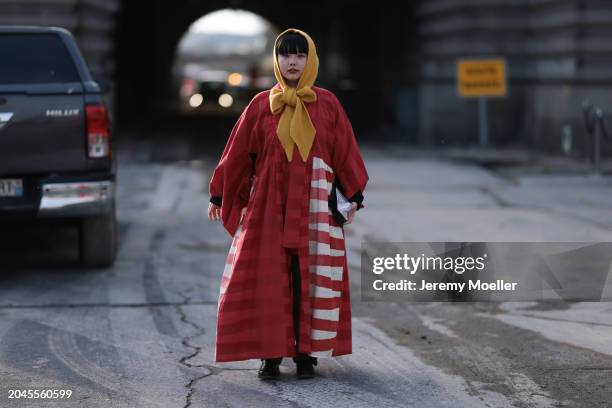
(141, 334)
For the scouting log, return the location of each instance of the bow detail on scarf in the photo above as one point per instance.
(295, 126)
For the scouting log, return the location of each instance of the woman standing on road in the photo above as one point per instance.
(285, 287)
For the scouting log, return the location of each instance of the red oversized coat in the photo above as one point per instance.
(287, 207)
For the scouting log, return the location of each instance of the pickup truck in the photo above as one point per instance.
(56, 157)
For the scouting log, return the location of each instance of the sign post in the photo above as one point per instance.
(483, 121)
(482, 78)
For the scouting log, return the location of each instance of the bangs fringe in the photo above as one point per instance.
(292, 43)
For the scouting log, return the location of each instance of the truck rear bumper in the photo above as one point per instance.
(76, 199)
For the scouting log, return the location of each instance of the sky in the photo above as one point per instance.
(230, 22)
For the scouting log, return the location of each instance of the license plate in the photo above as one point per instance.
(11, 187)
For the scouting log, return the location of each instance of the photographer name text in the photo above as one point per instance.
(423, 285)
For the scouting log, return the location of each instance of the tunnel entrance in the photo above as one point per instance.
(367, 58)
(222, 61)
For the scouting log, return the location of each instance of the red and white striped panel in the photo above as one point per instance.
(326, 262)
(229, 265)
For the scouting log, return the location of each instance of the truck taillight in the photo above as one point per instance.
(98, 131)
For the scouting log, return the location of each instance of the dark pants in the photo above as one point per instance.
(296, 290)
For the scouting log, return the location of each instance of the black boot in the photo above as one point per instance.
(304, 365)
(269, 368)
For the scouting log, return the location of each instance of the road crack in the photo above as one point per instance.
(199, 331)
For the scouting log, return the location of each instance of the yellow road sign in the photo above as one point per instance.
(481, 77)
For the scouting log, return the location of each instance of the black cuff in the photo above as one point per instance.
(216, 200)
(357, 198)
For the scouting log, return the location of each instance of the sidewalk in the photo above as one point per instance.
(425, 195)
(511, 161)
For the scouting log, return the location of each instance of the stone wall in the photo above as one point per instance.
(558, 53)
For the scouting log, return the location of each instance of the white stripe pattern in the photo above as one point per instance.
(323, 334)
(228, 270)
(324, 292)
(324, 249)
(332, 272)
(318, 163)
(326, 314)
(324, 184)
(334, 232)
(320, 248)
(318, 204)
(322, 354)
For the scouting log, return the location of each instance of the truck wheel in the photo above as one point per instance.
(98, 240)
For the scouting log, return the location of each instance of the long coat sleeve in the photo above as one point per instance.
(347, 162)
(232, 179)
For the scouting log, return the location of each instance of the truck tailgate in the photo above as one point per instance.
(42, 118)
(43, 133)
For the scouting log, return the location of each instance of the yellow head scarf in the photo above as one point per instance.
(295, 126)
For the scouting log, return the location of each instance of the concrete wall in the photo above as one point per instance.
(558, 52)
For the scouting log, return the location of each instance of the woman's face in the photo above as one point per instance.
(292, 66)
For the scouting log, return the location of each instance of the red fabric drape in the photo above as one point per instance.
(286, 208)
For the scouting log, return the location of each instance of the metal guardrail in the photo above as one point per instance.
(595, 124)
